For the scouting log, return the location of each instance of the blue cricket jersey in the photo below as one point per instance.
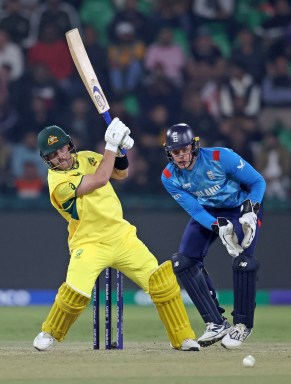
(220, 179)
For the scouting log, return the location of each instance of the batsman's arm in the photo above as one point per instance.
(101, 176)
(120, 170)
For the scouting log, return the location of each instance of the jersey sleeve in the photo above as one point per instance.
(242, 171)
(65, 192)
(188, 202)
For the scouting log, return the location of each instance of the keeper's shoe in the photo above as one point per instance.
(188, 345)
(43, 341)
(237, 334)
(214, 333)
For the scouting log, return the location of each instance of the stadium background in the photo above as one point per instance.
(33, 237)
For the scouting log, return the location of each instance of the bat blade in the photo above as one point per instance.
(88, 75)
(86, 71)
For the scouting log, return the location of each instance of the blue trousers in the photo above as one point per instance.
(197, 239)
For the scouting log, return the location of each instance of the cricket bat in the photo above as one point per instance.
(87, 74)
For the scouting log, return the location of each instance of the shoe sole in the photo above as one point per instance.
(224, 346)
(195, 349)
(207, 343)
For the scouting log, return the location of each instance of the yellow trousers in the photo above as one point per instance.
(127, 254)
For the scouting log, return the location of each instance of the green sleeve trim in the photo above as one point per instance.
(70, 207)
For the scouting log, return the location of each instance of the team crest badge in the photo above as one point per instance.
(52, 140)
(78, 253)
(92, 161)
(210, 175)
(175, 137)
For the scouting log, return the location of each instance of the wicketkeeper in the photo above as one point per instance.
(222, 193)
(99, 237)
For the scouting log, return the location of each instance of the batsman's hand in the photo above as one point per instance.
(127, 143)
(115, 134)
(224, 228)
(248, 221)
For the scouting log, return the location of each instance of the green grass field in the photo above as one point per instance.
(147, 357)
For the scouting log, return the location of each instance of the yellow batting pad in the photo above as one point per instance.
(68, 305)
(166, 295)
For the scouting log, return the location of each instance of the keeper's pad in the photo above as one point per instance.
(166, 295)
(195, 284)
(67, 307)
(245, 271)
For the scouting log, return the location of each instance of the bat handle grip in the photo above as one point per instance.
(108, 119)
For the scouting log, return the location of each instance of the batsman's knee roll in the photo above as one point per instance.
(166, 295)
(68, 305)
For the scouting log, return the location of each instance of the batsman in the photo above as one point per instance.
(99, 237)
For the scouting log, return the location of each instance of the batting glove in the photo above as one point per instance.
(127, 143)
(224, 228)
(248, 221)
(115, 133)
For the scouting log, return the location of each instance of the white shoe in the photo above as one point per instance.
(214, 333)
(188, 345)
(237, 334)
(43, 341)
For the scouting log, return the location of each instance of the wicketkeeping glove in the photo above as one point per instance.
(224, 228)
(115, 133)
(248, 221)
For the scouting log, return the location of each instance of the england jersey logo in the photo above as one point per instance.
(210, 175)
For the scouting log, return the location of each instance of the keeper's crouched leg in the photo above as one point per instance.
(67, 307)
(166, 295)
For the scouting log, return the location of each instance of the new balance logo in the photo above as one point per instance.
(235, 335)
(243, 264)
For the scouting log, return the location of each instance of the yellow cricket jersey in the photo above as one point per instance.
(95, 217)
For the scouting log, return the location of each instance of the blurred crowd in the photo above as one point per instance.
(222, 66)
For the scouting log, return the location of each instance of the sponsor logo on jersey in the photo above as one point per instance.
(241, 166)
(176, 197)
(78, 253)
(92, 161)
(72, 186)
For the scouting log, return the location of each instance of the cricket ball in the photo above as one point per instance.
(249, 361)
